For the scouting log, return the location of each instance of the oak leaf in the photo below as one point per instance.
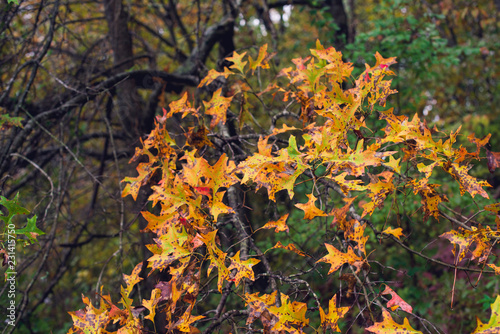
(217, 107)
(290, 247)
(279, 225)
(337, 259)
(493, 326)
(389, 326)
(396, 301)
(396, 232)
(333, 316)
(310, 209)
(243, 269)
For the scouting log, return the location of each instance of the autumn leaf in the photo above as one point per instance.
(243, 269)
(396, 232)
(290, 247)
(135, 183)
(217, 107)
(467, 183)
(150, 304)
(396, 301)
(291, 316)
(262, 59)
(494, 267)
(237, 60)
(337, 259)
(388, 326)
(217, 258)
(334, 315)
(279, 225)
(212, 75)
(493, 326)
(354, 232)
(184, 324)
(493, 160)
(310, 209)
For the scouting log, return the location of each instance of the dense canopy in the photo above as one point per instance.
(248, 166)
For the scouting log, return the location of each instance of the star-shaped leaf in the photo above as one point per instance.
(337, 259)
(310, 209)
(333, 316)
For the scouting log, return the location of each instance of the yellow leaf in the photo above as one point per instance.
(389, 326)
(396, 232)
(279, 225)
(333, 316)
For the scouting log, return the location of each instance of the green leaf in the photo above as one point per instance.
(30, 230)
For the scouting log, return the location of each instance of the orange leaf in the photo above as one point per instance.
(389, 326)
(310, 209)
(217, 107)
(467, 183)
(337, 259)
(212, 75)
(279, 225)
(290, 247)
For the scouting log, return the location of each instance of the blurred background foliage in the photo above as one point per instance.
(54, 56)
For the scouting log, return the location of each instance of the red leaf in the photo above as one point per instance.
(493, 160)
(396, 301)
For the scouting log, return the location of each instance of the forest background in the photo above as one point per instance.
(82, 81)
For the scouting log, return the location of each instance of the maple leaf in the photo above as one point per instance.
(495, 208)
(132, 279)
(337, 259)
(463, 240)
(258, 306)
(396, 301)
(393, 164)
(279, 225)
(389, 326)
(333, 316)
(198, 138)
(378, 193)
(397, 232)
(243, 268)
(493, 326)
(155, 223)
(310, 209)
